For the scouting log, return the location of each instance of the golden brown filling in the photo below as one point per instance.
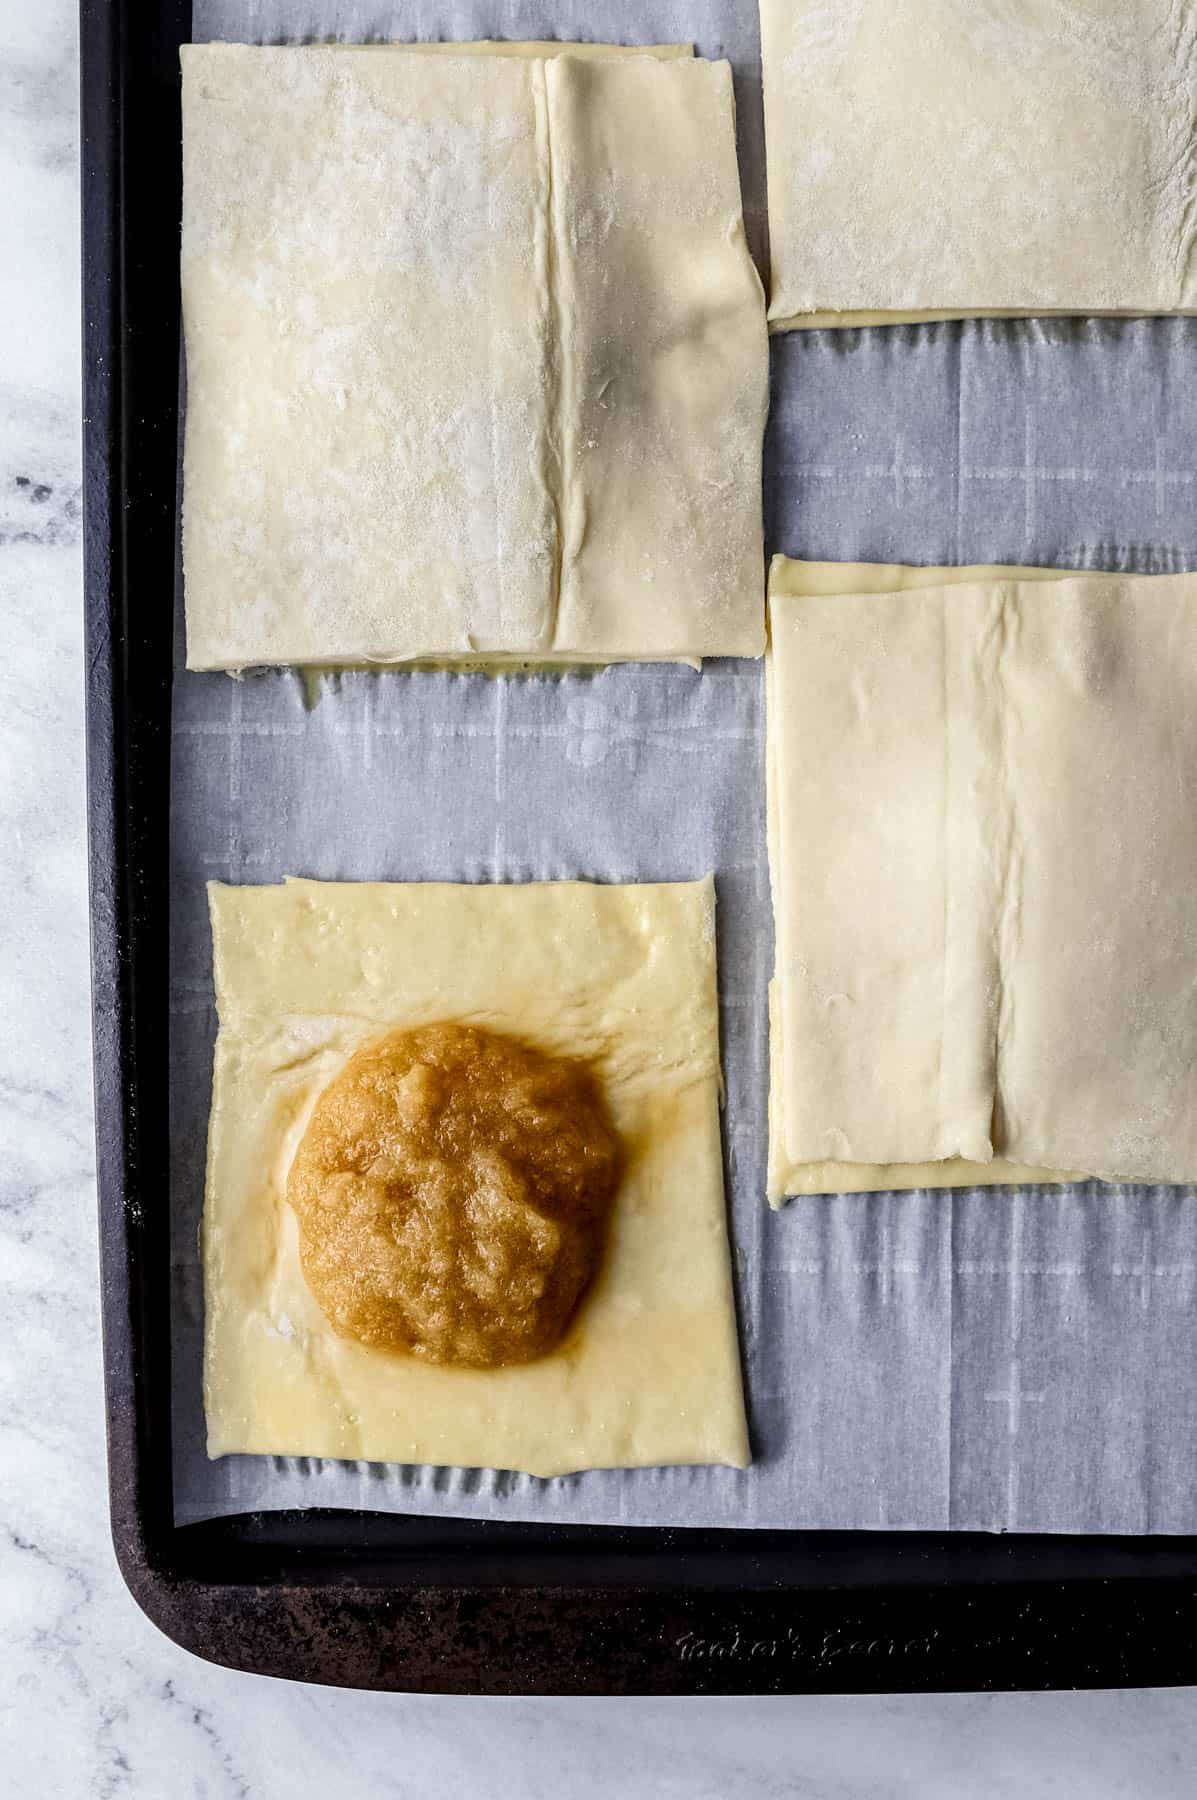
(453, 1188)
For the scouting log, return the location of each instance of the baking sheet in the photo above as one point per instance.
(991, 1360)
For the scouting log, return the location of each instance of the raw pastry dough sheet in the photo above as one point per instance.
(999, 769)
(787, 1176)
(475, 364)
(931, 160)
(972, 1359)
(306, 974)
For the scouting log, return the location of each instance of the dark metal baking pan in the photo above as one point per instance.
(388, 1601)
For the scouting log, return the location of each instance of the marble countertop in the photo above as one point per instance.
(94, 1701)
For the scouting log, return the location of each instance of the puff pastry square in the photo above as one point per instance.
(984, 868)
(476, 358)
(308, 972)
(932, 159)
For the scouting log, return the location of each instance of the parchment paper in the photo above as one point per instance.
(997, 1360)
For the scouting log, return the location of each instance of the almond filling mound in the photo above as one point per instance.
(453, 1189)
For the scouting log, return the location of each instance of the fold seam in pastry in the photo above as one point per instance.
(553, 437)
(1181, 150)
(946, 997)
(1009, 872)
